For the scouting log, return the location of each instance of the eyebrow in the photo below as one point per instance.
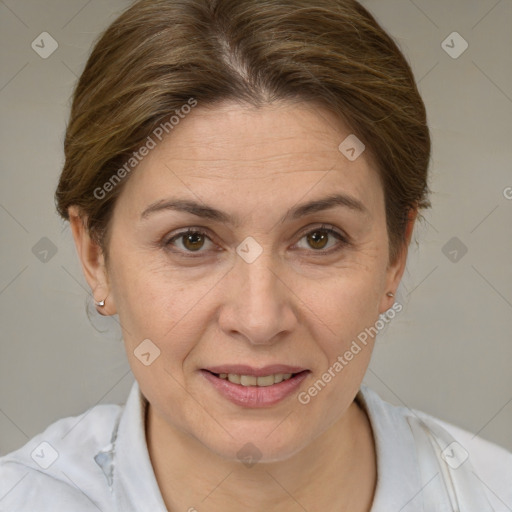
(208, 212)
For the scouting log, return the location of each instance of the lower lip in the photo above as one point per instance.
(255, 396)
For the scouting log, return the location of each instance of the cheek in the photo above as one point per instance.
(161, 304)
(346, 309)
(343, 332)
(349, 298)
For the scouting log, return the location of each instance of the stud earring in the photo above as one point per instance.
(390, 294)
(100, 303)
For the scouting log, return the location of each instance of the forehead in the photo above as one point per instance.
(232, 154)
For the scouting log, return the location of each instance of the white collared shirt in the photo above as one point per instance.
(99, 461)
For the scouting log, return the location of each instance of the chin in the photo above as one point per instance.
(258, 445)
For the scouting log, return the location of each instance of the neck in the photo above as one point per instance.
(317, 478)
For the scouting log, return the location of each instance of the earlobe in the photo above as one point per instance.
(92, 261)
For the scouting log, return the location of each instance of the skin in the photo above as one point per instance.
(292, 305)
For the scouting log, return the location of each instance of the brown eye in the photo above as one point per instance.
(193, 241)
(318, 239)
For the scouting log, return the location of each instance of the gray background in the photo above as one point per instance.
(447, 353)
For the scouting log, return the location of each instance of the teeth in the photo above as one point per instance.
(248, 380)
(251, 380)
(235, 379)
(265, 381)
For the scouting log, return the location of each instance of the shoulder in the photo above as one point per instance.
(56, 470)
(491, 463)
(468, 464)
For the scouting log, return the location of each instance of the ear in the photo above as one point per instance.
(92, 261)
(396, 269)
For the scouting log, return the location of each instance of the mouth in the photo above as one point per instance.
(249, 387)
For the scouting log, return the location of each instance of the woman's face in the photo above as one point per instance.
(263, 284)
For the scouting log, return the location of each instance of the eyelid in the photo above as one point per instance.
(326, 227)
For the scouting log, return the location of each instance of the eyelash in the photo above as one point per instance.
(343, 242)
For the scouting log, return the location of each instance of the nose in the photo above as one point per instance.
(259, 304)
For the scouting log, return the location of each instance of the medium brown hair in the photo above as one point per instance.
(161, 53)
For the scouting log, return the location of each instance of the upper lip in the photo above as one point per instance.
(242, 369)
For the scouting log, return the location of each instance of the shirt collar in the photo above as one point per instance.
(134, 487)
(398, 478)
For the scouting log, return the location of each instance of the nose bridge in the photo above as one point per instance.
(259, 279)
(260, 308)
